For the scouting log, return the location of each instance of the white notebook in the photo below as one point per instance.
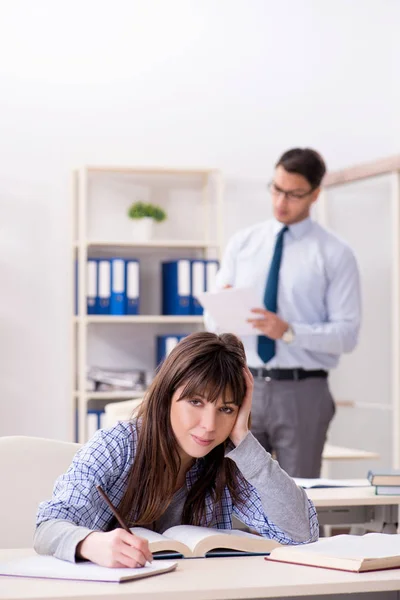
(231, 308)
(49, 567)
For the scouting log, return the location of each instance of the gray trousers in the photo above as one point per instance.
(291, 420)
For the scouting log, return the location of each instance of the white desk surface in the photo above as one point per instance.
(341, 453)
(206, 579)
(357, 496)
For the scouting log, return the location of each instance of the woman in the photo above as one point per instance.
(187, 458)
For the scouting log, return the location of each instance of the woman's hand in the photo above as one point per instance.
(241, 427)
(115, 549)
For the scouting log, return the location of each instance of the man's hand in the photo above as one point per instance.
(241, 427)
(270, 324)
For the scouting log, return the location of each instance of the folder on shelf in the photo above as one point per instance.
(91, 285)
(94, 421)
(103, 287)
(132, 287)
(176, 287)
(198, 280)
(211, 270)
(165, 345)
(117, 285)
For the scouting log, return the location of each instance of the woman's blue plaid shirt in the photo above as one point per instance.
(106, 460)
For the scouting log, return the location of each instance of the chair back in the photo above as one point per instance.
(29, 467)
(120, 411)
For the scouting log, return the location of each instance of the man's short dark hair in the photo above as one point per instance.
(306, 162)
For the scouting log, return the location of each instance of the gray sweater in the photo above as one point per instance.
(286, 504)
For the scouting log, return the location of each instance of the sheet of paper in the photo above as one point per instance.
(231, 308)
(329, 483)
(53, 568)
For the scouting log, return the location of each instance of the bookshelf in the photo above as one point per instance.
(192, 199)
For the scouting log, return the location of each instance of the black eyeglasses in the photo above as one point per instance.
(289, 195)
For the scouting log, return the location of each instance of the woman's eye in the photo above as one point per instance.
(227, 410)
(195, 402)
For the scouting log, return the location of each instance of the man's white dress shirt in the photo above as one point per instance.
(318, 292)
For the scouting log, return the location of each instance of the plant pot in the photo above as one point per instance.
(142, 229)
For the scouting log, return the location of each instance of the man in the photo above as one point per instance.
(308, 281)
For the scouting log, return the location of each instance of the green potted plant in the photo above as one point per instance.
(143, 216)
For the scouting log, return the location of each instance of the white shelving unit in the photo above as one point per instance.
(193, 200)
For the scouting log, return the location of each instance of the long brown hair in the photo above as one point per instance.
(206, 364)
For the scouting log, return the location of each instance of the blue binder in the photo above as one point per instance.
(198, 284)
(211, 270)
(117, 296)
(91, 285)
(176, 287)
(93, 422)
(132, 302)
(103, 287)
(165, 345)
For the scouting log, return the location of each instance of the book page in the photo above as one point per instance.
(329, 483)
(192, 535)
(148, 534)
(161, 544)
(231, 308)
(53, 568)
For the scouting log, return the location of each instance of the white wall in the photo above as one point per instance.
(227, 83)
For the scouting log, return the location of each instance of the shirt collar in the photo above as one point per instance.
(297, 230)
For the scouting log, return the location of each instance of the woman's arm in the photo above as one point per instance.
(272, 502)
(70, 525)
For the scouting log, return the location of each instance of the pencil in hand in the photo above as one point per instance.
(113, 509)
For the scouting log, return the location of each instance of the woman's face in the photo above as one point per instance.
(199, 425)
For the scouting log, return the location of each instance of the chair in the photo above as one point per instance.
(29, 467)
(119, 411)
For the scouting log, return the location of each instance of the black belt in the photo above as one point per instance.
(287, 374)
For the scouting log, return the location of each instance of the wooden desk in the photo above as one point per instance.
(341, 453)
(216, 578)
(335, 453)
(358, 505)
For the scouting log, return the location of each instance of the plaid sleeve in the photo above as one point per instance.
(101, 461)
(251, 512)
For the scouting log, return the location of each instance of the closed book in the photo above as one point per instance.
(387, 490)
(191, 541)
(117, 284)
(48, 567)
(176, 288)
(388, 477)
(357, 553)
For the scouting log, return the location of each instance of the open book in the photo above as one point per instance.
(358, 553)
(49, 567)
(191, 541)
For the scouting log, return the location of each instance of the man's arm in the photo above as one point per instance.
(339, 333)
(343, 302)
